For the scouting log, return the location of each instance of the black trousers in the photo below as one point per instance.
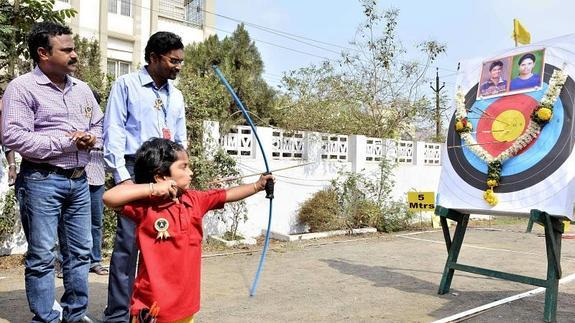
(122, 267)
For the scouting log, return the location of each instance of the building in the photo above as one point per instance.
(122, 27)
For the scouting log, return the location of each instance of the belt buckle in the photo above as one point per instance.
(77, 173)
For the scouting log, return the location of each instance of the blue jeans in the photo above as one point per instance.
(51, 205)
(97, 211)
(122, 267)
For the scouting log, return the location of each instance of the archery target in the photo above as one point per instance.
(538, 177)
(537, 161)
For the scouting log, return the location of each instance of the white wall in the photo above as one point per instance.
(419, 170)
(120, 24)
(89, 18)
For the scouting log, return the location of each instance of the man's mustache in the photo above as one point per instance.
(72, 61)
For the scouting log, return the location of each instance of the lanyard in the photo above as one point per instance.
(160, 102)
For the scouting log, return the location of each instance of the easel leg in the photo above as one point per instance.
(453, 247)
(529, 225)
(553, 232)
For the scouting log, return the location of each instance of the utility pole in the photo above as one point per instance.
(437, 89)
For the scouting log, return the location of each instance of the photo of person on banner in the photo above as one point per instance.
(526, 71)
(493, 79)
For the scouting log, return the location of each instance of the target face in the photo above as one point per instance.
(498, 122)
(503, 122)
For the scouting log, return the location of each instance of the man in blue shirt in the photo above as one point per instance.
(141, 105)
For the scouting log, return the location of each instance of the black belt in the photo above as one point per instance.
(72, 173)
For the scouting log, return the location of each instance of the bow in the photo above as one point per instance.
(269, 183)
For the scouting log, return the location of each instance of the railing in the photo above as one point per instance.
(287, 145)
(432, 154)
(238, 142)
(293, 145)
(401, 151)
(334, 147)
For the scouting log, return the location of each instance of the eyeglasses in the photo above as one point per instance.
(175, 61)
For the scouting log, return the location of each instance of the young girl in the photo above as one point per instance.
(168, 216)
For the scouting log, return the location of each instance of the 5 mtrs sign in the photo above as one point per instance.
(421, 201)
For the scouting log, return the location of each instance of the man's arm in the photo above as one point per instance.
(114, 131)
(11, 158)
(96, 125)
(18, 128)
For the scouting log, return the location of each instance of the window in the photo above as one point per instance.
(194, 11)
(117, 68)
(124, 7)
(190, 11)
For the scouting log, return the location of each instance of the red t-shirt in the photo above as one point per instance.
(169, 267)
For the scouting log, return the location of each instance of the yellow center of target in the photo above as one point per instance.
(508, 125)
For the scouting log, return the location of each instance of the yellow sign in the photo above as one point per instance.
(421, 201)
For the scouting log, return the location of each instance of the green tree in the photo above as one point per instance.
(318, 98)
(375, 88)
(88, 69)
(16, 20)
(207, 99)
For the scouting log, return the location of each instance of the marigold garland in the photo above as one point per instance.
(539, 118)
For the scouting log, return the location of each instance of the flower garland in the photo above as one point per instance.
(539, 118)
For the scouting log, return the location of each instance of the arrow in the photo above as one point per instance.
(228, 179)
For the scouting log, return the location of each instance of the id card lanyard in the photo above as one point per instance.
(166, 134)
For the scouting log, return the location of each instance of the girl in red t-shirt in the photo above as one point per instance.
(168, 216)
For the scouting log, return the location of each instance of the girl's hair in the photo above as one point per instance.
(155, 157)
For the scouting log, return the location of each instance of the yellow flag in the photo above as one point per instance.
(520, 34)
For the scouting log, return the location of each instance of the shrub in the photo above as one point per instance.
(356, 200)
(364, 214)
(321, 212)
(395, 216)
(109, 224)
(9, 216)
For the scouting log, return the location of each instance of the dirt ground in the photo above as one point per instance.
(375, 278)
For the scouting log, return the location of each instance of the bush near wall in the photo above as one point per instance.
(321, 212)
(395, 216)
(8, 216)
(355, 200)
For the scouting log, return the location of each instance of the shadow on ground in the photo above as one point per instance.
(14, 305)
(525, 310)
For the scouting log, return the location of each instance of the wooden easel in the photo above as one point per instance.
(553, 231)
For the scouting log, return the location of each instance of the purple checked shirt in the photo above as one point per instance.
(38, 116)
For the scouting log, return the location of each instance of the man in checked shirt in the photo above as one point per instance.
(53, 121)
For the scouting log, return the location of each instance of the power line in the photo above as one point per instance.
(279, 32)
(446, 69)
(273, 31)
(258, 40)
(279, 46)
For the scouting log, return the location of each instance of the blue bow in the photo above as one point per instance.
(269, 183)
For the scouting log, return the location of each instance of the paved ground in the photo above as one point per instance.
(381, 278)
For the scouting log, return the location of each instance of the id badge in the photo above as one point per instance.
(166, 133)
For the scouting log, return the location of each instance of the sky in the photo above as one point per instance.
(469, 28)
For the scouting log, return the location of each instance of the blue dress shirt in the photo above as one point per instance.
(132, 117)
